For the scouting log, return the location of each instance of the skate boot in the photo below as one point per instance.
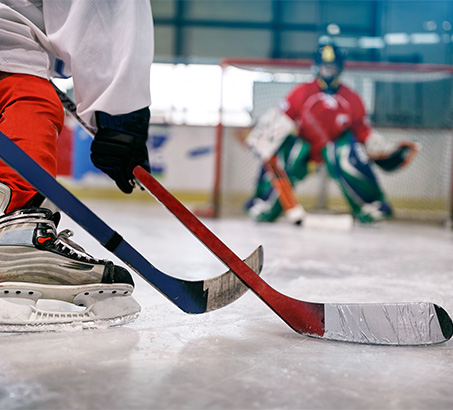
(39, 267)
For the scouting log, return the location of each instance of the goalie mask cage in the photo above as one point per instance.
(403, 101)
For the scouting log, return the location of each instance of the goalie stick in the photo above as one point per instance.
(409, 323)
(190, 296)
(280, 182)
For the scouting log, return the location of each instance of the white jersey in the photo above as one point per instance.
(107, 46)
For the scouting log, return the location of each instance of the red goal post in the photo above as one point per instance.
(404, 101)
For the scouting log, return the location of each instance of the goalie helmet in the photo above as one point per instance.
(329, 61)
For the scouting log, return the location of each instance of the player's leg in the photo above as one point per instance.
(32, 117)
(36, 262)
(265, 204)
(348, 163)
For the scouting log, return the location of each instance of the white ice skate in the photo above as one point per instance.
(48, 282)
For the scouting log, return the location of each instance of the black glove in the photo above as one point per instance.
(399, 158)
(120, 145)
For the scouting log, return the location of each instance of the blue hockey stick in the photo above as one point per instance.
(190, 296)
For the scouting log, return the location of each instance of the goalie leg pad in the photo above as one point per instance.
(265, 210)
(264, 206)
(294, 154)
(348, 164)
(374, 212)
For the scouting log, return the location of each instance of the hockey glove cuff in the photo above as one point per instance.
(120, 145)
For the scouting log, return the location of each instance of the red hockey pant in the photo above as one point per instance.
(32, 116)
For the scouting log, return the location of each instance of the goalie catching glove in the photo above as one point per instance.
(390, 155)
(120, 145)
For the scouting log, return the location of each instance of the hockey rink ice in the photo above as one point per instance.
(244, 356)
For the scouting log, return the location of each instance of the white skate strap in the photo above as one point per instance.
(22, 306)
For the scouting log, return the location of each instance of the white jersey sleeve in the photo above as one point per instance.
(106, 44)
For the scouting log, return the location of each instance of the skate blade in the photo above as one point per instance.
(89, 310)
(73, 326)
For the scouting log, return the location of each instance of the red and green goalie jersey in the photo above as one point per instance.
(321, 117)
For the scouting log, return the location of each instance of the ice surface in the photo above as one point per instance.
(244, 356)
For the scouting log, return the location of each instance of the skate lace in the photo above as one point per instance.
(70, 247)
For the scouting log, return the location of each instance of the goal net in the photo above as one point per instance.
(409, 101)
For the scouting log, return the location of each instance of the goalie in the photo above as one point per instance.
(323, 121)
